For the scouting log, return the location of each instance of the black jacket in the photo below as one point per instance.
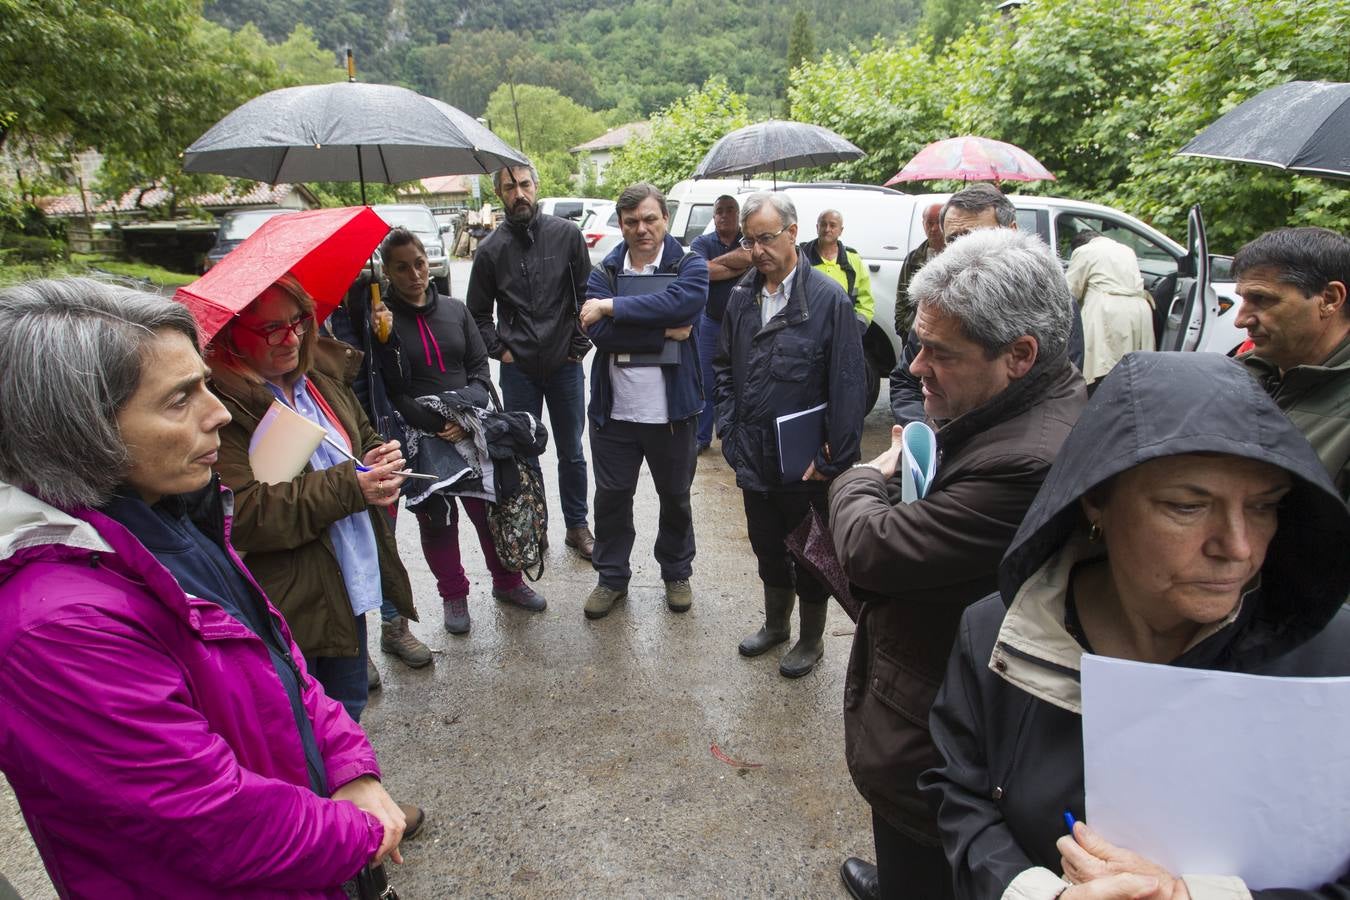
(1007, 721)
(810, 353)
(535, 277)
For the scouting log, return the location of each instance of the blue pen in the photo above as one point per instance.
(1069, 821)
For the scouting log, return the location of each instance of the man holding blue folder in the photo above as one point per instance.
(642, 306)
(791, 396)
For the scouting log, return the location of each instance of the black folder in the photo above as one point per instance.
(633, 286)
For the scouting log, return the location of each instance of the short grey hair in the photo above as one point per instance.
(71, 355)
(497, 177)
(976, 199)
(1000, 284)
(787, 211)
(830, 212)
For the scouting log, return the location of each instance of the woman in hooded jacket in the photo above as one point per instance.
(433, 346)
(157, 723)
(1185, 522)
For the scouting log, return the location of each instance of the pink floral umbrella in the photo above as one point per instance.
(971, 158)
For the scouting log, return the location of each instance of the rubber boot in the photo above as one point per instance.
(777, 622)
(810, 646)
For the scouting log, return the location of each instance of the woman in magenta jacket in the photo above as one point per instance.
(157, 723)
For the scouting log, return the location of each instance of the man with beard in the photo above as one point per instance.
(533, 271)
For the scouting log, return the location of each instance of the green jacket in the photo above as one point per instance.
(282, 529)
(1317, 400)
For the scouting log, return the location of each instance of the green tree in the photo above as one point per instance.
(801, 46)
(888, 100)
(680, 136)
(300, 60)
(945, 20)
(1220, 53)
(548, 120)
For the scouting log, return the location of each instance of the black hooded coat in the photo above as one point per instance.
(1007, 721)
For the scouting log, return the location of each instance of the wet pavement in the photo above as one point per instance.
(560, 757)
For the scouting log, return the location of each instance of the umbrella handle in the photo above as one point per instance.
(381, 326)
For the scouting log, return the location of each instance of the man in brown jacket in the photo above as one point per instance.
(993, 320)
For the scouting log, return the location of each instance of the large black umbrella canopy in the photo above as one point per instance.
(1302, 126)
(347, 131)
(775, 146)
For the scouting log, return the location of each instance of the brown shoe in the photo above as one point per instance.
(580, 539)
(414, 818)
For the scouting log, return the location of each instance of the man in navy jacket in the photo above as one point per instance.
(644, 412)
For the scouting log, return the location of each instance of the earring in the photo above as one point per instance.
(1094, 532)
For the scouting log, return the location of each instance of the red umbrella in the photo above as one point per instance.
(972, 158)
(323, 248)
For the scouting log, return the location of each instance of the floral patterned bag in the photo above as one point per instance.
(519, 523)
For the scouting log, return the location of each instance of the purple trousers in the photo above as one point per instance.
(440, 545)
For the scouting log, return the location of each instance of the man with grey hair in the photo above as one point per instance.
(993, 321)
(789, 344)
(968, 210)
(532, 271)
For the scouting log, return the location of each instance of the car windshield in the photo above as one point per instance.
(237, 226)
(418, 220)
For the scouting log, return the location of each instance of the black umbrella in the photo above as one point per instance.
(1302, 126)
(775, 146)
(348, 131)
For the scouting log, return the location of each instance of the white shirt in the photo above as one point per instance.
(640, 391)
(771, 304)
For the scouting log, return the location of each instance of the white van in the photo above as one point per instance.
(690, 202)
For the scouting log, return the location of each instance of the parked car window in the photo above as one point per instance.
(1036, 221)
(1155, 260)
(569, 210)
(672, 207)
(238, 225)
(415, 220)
(700, 215)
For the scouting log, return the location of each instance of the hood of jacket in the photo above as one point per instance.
(1154, 405)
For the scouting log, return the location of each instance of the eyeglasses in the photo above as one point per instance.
(275, 333)
(763, 240)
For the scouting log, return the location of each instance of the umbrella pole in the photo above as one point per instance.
(361, 175)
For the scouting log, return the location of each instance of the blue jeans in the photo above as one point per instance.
(565, 393)
(709, 331)
(344, 677)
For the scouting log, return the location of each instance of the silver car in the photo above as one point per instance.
(420, 221)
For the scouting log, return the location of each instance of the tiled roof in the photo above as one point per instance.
(259, 195)
(615, 137)
(447, 184)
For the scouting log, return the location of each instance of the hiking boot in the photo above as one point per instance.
(413, 817)
(679, 595)
(396, 638)
(777, 611)
(456, 615)
(602, 600)
(521, 595)
(810, 646)
(372, 677)
(579, 538)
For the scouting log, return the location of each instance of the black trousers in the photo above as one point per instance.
(617, 453)
(907, 869)
(769, 517)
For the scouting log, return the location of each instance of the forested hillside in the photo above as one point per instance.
(630, 57)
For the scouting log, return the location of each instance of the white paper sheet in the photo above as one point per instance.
(1216, 773)
(918, 461)
(282, 443)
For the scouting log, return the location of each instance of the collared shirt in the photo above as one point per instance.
(771, 304)
(353, 537)
(639, 391)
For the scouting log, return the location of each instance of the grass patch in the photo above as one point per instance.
(96, 266)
